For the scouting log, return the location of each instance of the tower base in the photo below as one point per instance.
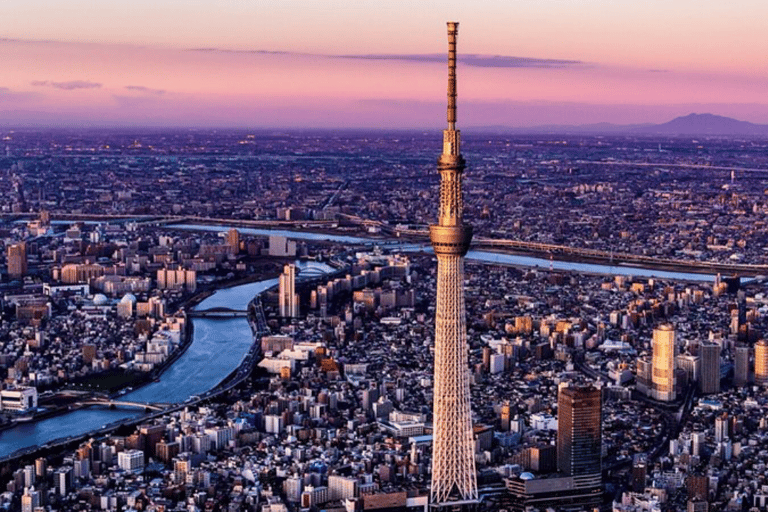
(455, 506)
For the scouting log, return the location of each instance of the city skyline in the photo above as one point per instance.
(297, 64)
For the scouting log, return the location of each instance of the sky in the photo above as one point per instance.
(378, 64)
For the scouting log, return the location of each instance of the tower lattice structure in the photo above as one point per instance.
(453, 462)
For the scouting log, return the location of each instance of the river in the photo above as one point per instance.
(479, 256)
(218, 346)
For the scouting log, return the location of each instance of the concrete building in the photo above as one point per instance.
(281, 246)
(131, 461)
(342, 487)
(18, 400)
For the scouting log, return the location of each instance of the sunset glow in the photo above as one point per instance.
(301, 63)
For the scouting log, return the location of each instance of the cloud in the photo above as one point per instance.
(147, 90)
(257, 52)
(476, 60)
(67, 86)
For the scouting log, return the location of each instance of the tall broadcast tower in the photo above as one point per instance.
(454, 482)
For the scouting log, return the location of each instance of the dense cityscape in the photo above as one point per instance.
(115, 241)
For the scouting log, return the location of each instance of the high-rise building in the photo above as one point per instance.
(639, 475)
(41, 467)
(17, 260)
(30, 500)
(761, 363)
(709, 380)
(663, 364)
(233, 240)
(454, 480)
(342, 487)
(289, 300)
(721, 428)
(131, 461)
(579, 431)
(741, 366)
(506, 416)
(62, 480)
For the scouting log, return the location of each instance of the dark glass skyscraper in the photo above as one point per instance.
(579, 431)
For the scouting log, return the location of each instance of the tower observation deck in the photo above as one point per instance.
(454, 480)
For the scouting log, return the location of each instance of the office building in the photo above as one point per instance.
(579, 430)
(19, 400)
(709, 381)
(761, 363)
(454, 480)
(17, 260)
(62, 480)
(233, 240)
(131, 461)
(741, 366)
(663, 363)
(281, 246)
(342, 487)
(30, 500)
(289, 299)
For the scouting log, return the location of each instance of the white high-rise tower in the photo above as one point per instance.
(454, 481)
(289, 300)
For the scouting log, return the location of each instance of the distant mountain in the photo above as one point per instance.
(707, 124)
(692, 124)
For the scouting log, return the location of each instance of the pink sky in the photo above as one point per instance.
(114, 63)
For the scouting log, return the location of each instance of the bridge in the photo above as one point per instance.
(219, 312)
(106, 402)
(608, 256)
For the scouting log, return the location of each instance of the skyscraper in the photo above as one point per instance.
(289, 300)
(741, 366)
(709, 380)
(233, 240)
(663, 371)
(579, 431)
(454, 480)
(761, 363)
(17, 260)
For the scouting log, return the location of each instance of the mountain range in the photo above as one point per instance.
(692, 124)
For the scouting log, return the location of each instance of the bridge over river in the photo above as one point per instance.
(217, 312)
(106, 402)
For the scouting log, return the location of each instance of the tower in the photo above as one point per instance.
(579, 432)
(454, 481)
(663, 365)
(289, 300)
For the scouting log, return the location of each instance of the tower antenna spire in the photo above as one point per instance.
(453, 35)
